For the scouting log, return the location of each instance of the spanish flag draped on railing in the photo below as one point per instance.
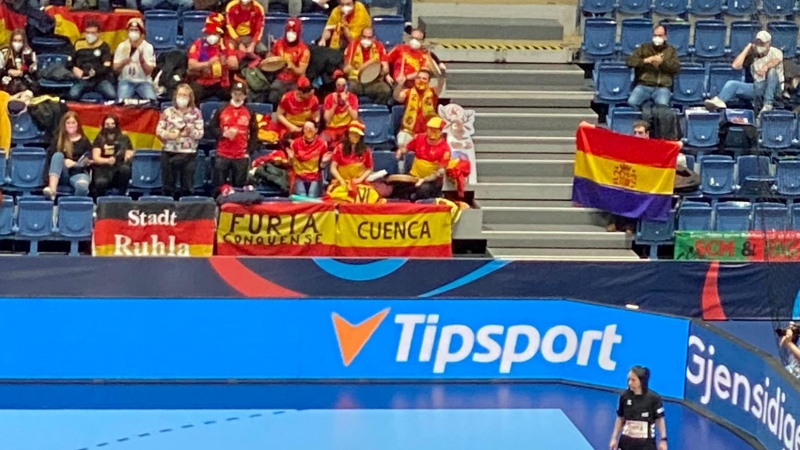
(113, 27)
(624, 175)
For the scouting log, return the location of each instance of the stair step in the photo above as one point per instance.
(480, 203)
(500, 156)
(519, 99)
(437, 27)
(488, 145)
(564, 254)
(522, 191)
(543, 215)
(553, 236)
(520, 167)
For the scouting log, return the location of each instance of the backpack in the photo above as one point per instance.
(172, 66)
(663, 122)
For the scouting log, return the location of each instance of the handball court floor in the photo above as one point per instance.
(326, 416)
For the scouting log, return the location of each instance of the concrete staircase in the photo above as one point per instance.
(526, 116)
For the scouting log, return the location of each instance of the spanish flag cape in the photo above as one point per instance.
(353, 193)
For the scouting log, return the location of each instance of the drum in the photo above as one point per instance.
(272, 64)
(369, 72)
(401, 178)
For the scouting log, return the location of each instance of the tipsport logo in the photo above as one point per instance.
(446, 344)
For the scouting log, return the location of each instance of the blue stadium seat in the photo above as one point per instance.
(161, 27)
(705, 7)
(196, 199)
(597, 6)
(678, 34)
(635, 32)
(741, 34)
(24, 130)
(613, 83)
(740, 8)
(389, 30)
(787, 174)
(57, 45)
(652, 233)
(795, 218)
(635, 7)
(709, 38)
(599, 38)
(145, 171)
(44, 61)
(666, 8)
(34, 220)
(378, 124)
(784, 37)
(702, 129)
(694, 216)
(313, 26)
(716, 176)
(776, 129)
(385, 161)
(770, 217)
(719, 74)
(261, 108)
(689, 84)
(114, 198)
(27, 168)
(736, 138)
(3, 168)
(752, 167)
(732, 217)
(75, 219)
(397, 117)
(274, 25)
(777, 8)
(193, 23)
(165, 105)
(201, 167)
(621, 119)
(6, 216)
(156, 198)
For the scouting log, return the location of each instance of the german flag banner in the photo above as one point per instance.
(136, 228)
(10, 21)
(113, 27)
(277, 229)
(139, 124)
(393, 230)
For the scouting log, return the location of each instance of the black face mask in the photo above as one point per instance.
(111, 131)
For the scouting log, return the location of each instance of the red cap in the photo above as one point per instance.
(338, 74)
(303, 83)
(294, 24)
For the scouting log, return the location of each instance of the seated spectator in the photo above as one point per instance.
(92, 65)
(305, 154)
(339, 110)
(352, 159)
(361, 53)
(420, 104)
(409, 59)
(111, 158)
(178, 5)
(246, 25)
(134, 62)
(180, 129)
(295, 109)
(655, 65)
(210, 60)
(345, 24)
(789, 342)
(236, 128)
(295, 7)
(18, 64)
(765, 64)
(641, 129)
(431, 156)
(69, 158)
(297, 56)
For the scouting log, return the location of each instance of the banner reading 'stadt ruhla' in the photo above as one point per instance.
(393, 230)
(136, 228)
(277, 229)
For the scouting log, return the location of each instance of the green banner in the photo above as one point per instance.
(753, 246)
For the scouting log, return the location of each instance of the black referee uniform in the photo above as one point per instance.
(639, 413)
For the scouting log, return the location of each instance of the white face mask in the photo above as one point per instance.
(182, 102)
(246, 2)
(91, 38)
(761, 49)
(658, 41)
(17, 46)
(237, 103)
(347, 9)
(134, 36)
(212, 39)
(415, 44)
(291, 36)
(366, 43)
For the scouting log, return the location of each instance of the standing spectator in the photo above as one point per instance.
(134, 61)
(180, 129)
(789, 342)
(17, 64)
(352, 159)
(345, 24)
(431, 156)
(409, 59)
(420, 105)
(210, 60)
(237, 130)
(178, 5)
(655, 64)
(111, 158)
(766, 70)
(246, 26)
(92, 64)
(70, 157)
(297, 56)
(339, 110)
(305, 155)
(641, 129)
(360, 53)
(296, 108)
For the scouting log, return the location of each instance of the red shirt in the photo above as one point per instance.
(437, 154)
(239, 119)
(298, 111)
(307, 156)
(298, 54)
(341, 117)
(201, 51)
(245, 20)
(351, 166)
(414, 60)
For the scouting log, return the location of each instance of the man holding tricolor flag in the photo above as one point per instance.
(624, 175)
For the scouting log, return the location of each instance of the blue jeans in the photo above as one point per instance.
(765, 92)
(104, 88)
(736, 90)
(178, 5)
(79, 181)
(306, 188)
(126, 89)
(641, 94)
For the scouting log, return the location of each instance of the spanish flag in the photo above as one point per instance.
(139, 124)
(624, 175)
(9, 21)
(113, 27)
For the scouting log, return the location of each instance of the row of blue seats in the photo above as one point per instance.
(32, 220)
(750, 176)
(736, 8)
(738, 216)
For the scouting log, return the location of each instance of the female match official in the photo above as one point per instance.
(640, 410)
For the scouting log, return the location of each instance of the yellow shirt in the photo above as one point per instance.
(355, 23)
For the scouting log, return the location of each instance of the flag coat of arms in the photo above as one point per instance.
(624, 175)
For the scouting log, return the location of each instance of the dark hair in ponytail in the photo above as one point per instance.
(643, 373)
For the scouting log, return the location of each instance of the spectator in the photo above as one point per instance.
(210, 60)
(237, 129)
(296, 7)
(409, 59)
(134, 61)
(352, 159)
(766, 69)
(246, 26)
(111, 158)
(431, 156)
(339, 110)
(92, 64)
(180, 129)
(420, 105)
(345, 24)
(360, 54)
(297, 56)
(305, 155)
(641, 129)
(296, 108)
(69, 156)
(18, 64)
(789, 342)
(178, 5)
(655, 64)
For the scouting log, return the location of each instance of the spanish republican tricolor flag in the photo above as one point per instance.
(113, 27)
(139, 124)
(9, 21)
(624, 175)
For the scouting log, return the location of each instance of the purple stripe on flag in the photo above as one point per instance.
(621, 202)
